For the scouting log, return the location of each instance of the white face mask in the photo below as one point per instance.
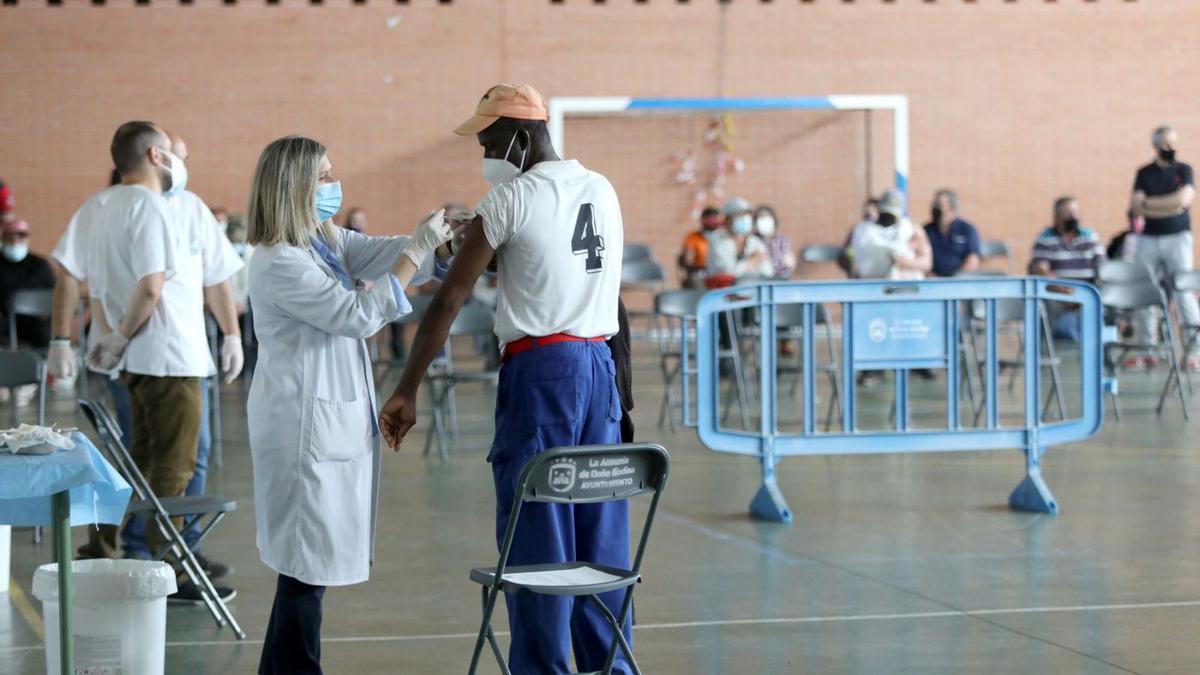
(765, 225)
(179, 175)
(497, 171)
(16, 252)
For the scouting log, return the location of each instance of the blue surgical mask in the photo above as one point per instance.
(328, 200)
(743, 224)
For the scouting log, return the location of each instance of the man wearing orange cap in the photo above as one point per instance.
(550, 224)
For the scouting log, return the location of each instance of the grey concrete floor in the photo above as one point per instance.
(895, 563)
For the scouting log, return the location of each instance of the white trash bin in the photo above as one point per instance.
(119, 615)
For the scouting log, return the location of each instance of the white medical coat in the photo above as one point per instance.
(313, 442)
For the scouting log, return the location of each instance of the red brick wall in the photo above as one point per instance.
(1013, 103)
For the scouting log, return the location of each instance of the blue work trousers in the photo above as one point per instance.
(564, 394)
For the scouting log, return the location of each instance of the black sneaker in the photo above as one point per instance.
(189, 594)
(215, 569)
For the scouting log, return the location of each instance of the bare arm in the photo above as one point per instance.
(1041, 268)
(1165, 206)
(220, 302)
(922, 259)
(66, 302)
(1137, 202)
(399, 414)
(971, 262)
(141, 305)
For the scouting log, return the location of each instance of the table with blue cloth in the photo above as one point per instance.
(62, 489)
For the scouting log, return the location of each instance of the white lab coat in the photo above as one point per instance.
(313, 442)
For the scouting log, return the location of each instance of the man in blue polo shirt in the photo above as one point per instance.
(1162, 194)
(954, 241)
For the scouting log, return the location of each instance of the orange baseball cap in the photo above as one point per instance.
(518, 101)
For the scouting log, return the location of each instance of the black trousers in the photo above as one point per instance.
(293, 642)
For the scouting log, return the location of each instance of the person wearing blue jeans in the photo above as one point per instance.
(133, 535)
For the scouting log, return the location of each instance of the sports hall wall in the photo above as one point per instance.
(1012, 102)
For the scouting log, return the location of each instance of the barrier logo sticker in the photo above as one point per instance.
(877, 330)
(562, 476)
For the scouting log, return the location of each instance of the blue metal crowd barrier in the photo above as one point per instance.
(901, 326)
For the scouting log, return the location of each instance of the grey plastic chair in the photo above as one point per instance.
(674, 309)
(553, 477)
(34, 302)
(1126, 300)
(473, 319)
(160, 511)
(634, 252)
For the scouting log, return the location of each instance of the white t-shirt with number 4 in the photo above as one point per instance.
(558, 237)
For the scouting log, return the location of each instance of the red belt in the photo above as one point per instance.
(526, 343)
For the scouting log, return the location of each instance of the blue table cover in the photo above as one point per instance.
(98, 493)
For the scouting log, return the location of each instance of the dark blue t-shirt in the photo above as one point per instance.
(951, 249)
(1157, 180)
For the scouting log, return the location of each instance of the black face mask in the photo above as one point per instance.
(936, 212)
(1167, 156)
(1071, 225)
(886, 219)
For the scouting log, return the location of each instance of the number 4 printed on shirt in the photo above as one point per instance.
(585, 240)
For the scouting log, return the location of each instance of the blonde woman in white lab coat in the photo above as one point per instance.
(317, 292)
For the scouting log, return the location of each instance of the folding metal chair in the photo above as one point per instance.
(162, 510)
(820, 254)
(991, 250)
(473, 319)
(1186, 282)
(1010, 314)
(675, 307)
(559, 476)
(635, 252)
(789, 321)
(1124, 272)
(1127, 299)
(642, 276)
(34, 302)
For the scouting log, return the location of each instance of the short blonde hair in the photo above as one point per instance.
(282, 197)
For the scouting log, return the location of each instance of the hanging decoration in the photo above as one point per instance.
(717, 148)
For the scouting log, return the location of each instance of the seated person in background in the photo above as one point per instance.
(356, 220)
(1066, 250)
(779, 247)
(734, 250)
(693, 258)
(954, 241)
(905, 244)
(1123, 246)
(21, 270)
